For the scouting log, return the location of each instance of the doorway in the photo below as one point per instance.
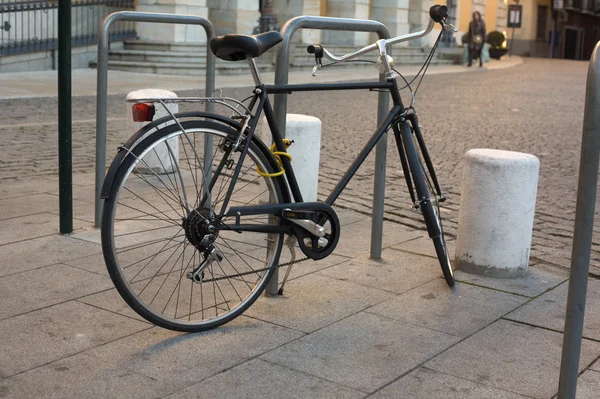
(573, 43)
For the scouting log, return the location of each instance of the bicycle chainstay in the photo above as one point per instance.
(254, 271)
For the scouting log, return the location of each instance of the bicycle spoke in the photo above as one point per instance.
(154, 257)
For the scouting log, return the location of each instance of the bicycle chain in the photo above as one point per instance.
(254, 271)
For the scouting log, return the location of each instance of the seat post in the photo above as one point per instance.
(254, 71)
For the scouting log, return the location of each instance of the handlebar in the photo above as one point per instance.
(437, 13)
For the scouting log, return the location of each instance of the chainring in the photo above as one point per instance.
(316, 247)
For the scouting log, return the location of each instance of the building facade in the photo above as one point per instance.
(399, 16)
(572, 27)
(28, 28)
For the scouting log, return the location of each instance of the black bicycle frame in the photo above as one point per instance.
(262, 102)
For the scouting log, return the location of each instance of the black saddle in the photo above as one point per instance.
(239, 47)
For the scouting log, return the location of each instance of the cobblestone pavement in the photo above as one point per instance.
(535, 108)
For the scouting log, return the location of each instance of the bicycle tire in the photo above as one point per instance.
(426, 205)
(224, 309)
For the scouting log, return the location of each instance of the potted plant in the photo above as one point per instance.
(496, 39)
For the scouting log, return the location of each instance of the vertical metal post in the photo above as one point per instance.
(280, 100)
(582, 235)
(379, 177)
(65, 176)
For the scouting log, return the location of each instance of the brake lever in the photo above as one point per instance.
(445, 25)
(317, 50)
(317, 67)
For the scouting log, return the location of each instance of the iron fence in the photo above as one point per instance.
(32, 25)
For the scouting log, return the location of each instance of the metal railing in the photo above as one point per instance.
(102, 81)
(582, 235)
(280, 109)
(32, 25)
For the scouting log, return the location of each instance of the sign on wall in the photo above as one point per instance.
(558, 4)
(515, 15)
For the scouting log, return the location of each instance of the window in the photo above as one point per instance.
(542, 19)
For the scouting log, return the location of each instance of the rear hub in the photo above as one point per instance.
(200, 228)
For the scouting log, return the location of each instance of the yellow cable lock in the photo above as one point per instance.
(278, 155)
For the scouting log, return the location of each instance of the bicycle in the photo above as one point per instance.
(179, 229)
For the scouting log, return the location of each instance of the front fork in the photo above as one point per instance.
(416, 130)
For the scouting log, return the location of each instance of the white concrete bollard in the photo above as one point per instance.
(497, 205)
(160, 162)
(305, 131)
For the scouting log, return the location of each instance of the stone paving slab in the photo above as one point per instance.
(180, 360)
(548, 310)
(28, 205)
(314, 301)
(538, 280)
(82, 376)
(588, 385)
(397, 272)
(53, 333)
(513, 357)
(79, 179)
(424, 246)
(49, 285)
(309, 266)
(364, 351)
(14, 188)
(431, 384)
(596, 366)
(28, 227)
(348, 216)
(260, 379)
(460, 311)
(93, 263)
(31, 254)
(355, 239)
(43, 83)
(111, 300)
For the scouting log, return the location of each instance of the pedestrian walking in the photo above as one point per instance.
(476, 37)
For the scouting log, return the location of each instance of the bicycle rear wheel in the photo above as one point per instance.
(426, 201)
(158, 217)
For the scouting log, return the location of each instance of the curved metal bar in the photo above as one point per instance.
(102, 79)
(387, 42)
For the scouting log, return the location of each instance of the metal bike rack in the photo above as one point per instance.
(280, 109)
(582, 235)
(101, 96)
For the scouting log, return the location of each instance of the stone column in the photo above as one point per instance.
(358, 9)
(172, 33)
(501, 16)
(393, 14)
(478, 5)
(418, 18)
(288, 9)
(233, 16)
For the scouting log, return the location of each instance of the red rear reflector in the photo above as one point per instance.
(143, 112)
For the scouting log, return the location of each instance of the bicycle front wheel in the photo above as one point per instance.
(427, 202)
(168, 252)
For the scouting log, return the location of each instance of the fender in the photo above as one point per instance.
(136, 138)
(140, 134)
